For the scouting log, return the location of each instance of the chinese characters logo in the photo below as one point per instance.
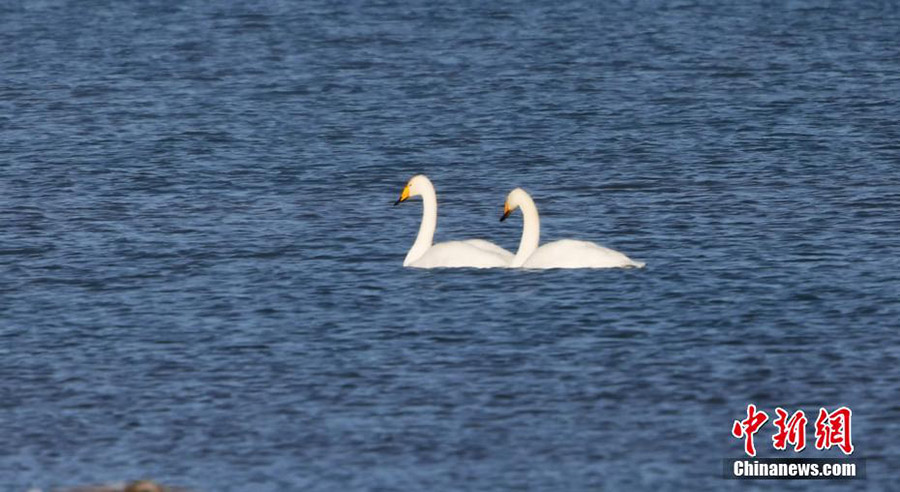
(832, 429)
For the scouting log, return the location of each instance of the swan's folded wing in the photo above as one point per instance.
(459, 254)
(490, 247)
(571, 253)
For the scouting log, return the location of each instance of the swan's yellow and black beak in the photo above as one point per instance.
(506, 212)
(404, 195)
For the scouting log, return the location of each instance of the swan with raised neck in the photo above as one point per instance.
(531, 224)
(564, 253)
(475, 253)
(420, 185)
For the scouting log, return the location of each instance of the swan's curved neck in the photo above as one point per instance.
(426, 230)
(531, 232)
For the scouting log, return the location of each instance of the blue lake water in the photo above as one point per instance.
(200, 266)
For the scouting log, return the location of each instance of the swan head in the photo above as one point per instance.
(414, 187)
(514, 200)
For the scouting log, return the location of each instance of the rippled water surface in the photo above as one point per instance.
(200, 266)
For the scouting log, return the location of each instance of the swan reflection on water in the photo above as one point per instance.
(136, 486)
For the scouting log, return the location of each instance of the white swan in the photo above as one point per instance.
(566, 253)
(476, 253)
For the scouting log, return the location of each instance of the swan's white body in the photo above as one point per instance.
(571, 253)
(566, 253)
(474, 253)
(455, 254)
